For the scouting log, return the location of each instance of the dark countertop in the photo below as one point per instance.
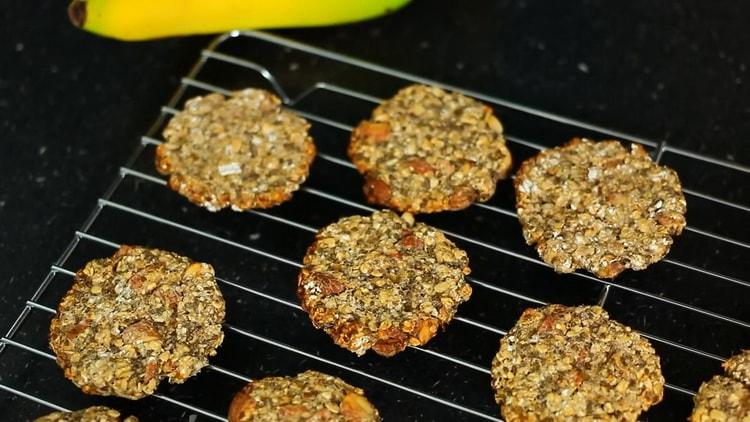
(73, 106)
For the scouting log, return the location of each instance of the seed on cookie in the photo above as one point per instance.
(244, 151)
(382, 282)
(135, 318)
(574, 363)
(427, 150)
(91, 414)
(598, 206)
(309, 396)
(725, 398)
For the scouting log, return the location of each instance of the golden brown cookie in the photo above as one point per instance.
(310, 396)
(598, 206)
(722, 399)
(428, 150)
(243, 152)
(91, 414)
(574, 364)
(135, 318)
(382, 282)
(725, 398)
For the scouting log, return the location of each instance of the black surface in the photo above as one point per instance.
(73, 106)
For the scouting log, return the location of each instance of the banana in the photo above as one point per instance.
(146, 19)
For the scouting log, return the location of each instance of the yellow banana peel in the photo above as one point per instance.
(146, 19)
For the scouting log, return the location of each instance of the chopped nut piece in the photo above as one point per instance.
(419, 166)
(462, 198)
(574, 363)
(243, 151)
(91, 414)
(310, 396)
(139, 332)
(123, 338)
(327, 284)
(395, 282)
(356, 408)
(376, 131)
(409, 240)
(592, 205)
(377, 189)
(434, 151)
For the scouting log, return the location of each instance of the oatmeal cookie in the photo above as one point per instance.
(244, 151)
(428, 150)
(725, 398)
(598, 206)
(310, 396)
(574, 364)
(382, 282)
(722, 399)
(91, 414)
(135, 318)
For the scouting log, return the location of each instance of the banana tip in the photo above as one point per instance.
(77, 12)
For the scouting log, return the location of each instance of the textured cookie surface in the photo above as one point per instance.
(725, 398)
(382, 282)
(428, 150)
(738, 367)
(135, 318)
(598, 206)
(310, 396)
(91, 414)
(242, 152)
(574, 364)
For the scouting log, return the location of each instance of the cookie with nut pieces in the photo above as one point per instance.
(725, 398)
(382, 282)
(309, 396)
(428, 150)
(135, 318)
(91, 414)
(574, 364)
(243, 151)
(599, 206)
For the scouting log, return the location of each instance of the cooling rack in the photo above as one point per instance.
(694, 306)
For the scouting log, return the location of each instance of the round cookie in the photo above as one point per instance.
(574, 363)
(243, 152)
(428, 150)
(598, 206)
(382, 282)
(725, 398)
(722, 399)
(135, 318)
(90, 414)
(310, 396)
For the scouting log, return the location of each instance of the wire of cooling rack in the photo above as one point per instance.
(256, 337)
(473, 280)
(662, 147)
(213, 88)
(191, 81)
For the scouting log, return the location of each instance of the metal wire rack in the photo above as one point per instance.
(694, 306)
